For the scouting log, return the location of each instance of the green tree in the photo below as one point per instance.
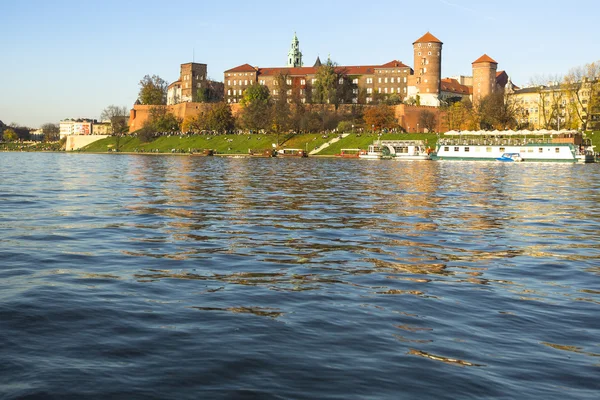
(153, 90)
(220, 118)
(51, 132)
(495, 112)
(256, 113)
(9, 135)
(161, 120)
(325, 87)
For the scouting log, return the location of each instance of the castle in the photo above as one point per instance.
(420, 85)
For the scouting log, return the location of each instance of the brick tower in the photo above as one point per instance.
(428, 69)
(193, 77)
(484, 77)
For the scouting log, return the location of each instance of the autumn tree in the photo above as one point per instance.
(9, 135)
(153, 90)
(280, 115)
(117, 117)
(220, 119)
(380, 117)
(427, 120)
(161, 120)
(51, 132)
(495, 112)
(583, 88)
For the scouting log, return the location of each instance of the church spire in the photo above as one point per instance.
(295, 55)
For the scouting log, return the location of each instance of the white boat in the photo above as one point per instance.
(412, 150)
(375, 152)
(558, 147)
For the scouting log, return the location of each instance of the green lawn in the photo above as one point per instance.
(239, 144)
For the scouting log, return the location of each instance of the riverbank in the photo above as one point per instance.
(244, 144)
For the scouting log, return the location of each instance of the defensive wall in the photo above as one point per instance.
(408, 116)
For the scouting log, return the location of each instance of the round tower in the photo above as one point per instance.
(428, 69)
(484, 77)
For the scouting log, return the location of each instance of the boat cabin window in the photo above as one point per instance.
(502, 149)
(557, 150)
(446, 148)
(488, 149)
(540, 150)
(466, 149)
(456, 148)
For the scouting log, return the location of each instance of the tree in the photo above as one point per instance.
(9, 135)
(255, 113)
(583, 86)
(220, 118)
(380, 116)
(51, 132)
(161, 120)
(325, 87)
(117, 117)
(497, 112)
(153, 90)
(427, 120)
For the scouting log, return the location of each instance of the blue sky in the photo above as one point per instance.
(70, 59)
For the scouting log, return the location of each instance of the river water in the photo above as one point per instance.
(188, 277)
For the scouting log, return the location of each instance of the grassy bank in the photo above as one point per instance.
(240, 144)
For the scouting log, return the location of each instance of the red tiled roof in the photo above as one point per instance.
(287, 71)
(485, 58)
(242, 68)
(428, 38)
(178, 82)
(393, 64)
(453, 86)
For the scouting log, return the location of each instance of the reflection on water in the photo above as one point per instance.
(371, 276)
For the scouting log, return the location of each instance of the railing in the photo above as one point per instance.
(493, 141)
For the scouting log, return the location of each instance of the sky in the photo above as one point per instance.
(70, 59)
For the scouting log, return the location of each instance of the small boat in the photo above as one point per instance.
(401, 150)
(204, 153)
(350, 153)
(292, 153)
(510, 157)
(263, 153)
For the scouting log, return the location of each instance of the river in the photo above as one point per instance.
(126, 276)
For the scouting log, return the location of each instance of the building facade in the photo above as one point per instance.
(76, 127)
(192, 79)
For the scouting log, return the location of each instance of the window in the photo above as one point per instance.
(446, 148)
(386, 80)
(235, 92)
(275, 92)
(379, 80)
(303, 81)
(429, 45)
(502, 149)
(456, 148)
(467, 149)
(488, 149)
(246, 82)
(392, 80)
(369, 80)
(313, 81)
(419, 54)
(355, 81)
(234, 83)
(557, 150)
(540, 150)
(341, 81)
(228, 83)
(289, 92)
(288, 81)
(369, 90)
(355, 91)
(369, 99)
(355, 100)
(386, 90)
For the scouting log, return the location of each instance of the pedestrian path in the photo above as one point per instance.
(326, 145)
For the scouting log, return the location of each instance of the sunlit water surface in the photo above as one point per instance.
(191, 277)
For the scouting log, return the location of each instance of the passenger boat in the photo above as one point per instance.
(411, 150)
(292, 153)
(350, 153)
(553, 146)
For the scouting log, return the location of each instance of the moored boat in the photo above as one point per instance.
(350, 153)
(292, 153)
(410, 150)
(554, 146)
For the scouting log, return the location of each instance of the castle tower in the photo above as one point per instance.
(294, 55)
(484, 78)
(193, 78)
(428, 69)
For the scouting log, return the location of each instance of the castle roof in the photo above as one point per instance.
(485, 58)
(453, 86)
(501, 78)
(393, 64)
(318, 62)
(242, 68)
(428, 38)
(177, 82)
(347, 70)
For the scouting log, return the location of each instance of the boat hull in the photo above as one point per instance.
(532, 152)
